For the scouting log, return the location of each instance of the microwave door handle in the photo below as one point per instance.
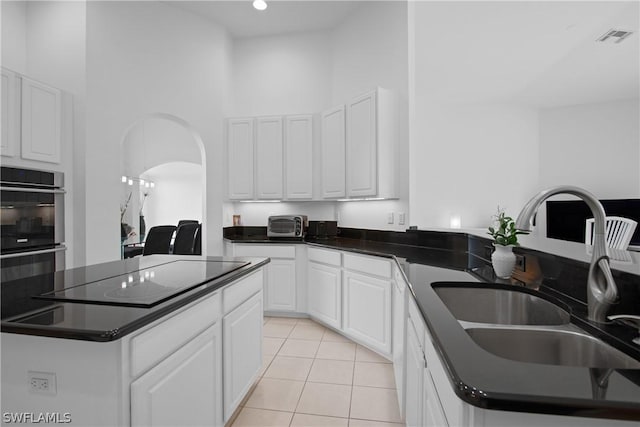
(34, 190)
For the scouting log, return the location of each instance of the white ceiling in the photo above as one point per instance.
(242, 20)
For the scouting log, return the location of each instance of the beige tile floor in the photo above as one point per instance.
(312, 376)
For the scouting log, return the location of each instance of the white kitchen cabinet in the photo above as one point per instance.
(299, 157)
(325, 293)
(240, 158)
(41, 130)
(10, 114)
(242, 347)
(398, 337)
(371, 140)
(414, 387)
(281, 285)
(367, 310)
(269, 158)
(174, 392)
(432, 412)
(333, 153)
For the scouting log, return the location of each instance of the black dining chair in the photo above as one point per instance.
(158, 240)
(197, 247)
(184, 243)
(187, 221)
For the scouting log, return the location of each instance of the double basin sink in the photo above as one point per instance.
(520, 326)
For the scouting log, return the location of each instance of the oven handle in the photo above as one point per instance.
(40, 252)
(34, 190)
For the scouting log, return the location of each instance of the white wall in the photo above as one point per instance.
(177, 194)
(466, 158)
(256, 214)
(284, 74)
(46, 41)
(144, 58)
(594, 146)
(370, 49)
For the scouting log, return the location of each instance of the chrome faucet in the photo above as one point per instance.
(601, 288)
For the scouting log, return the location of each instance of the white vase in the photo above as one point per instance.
(503, 260)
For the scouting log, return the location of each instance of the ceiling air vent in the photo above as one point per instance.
(614, 36)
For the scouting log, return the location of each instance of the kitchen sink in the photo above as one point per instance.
(500, 306)
(552, 347)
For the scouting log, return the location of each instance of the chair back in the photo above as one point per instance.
(158, 240)
(197, 247)
(187, 221)
(618, 231)
(184, 243)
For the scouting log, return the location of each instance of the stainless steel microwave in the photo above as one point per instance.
(287, 226)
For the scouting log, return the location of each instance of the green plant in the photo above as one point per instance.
(505, 232)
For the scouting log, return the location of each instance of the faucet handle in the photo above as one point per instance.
(629, 319)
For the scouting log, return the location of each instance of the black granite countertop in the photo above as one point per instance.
(481, 378)
(24, 314)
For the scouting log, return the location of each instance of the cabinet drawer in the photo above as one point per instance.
(324, 256)
(266, 250)
(236, 293)
(369, 265)
(155, 344)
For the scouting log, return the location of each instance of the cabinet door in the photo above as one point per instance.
(240, 159)
(299, 156)
(361, 143)
(433, 414)
(10, 117)
(242, 337)
(414, 386)
(269, 147)
(325, 293)
(184, 389)
(367, 310)
(281, 285)
(398, 337)
(41, 122)
(333, 153)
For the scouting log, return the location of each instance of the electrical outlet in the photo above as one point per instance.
(390, 218)
(401, 218)
(521, 263)
(42, 382)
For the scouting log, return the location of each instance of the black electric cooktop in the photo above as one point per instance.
(148, 286)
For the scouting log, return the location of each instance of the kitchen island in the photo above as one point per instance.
(142, 341)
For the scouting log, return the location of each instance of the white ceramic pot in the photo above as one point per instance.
(503, 260)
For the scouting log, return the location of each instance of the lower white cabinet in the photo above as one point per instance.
(281, 285)
(367, 310)
(398, 336)
(174, 393)
(242, 351)
(414, 387)
(432, 412)
(325, 293)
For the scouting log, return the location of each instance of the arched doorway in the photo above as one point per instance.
(161, 152)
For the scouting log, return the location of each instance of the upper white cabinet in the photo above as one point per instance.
(10, 114)
(362, 142)
(240, 158)
(275, 158)
(269, 147)
(31, 119)
(333, 153)
(41, 122)
(359, 147)
(299, 156)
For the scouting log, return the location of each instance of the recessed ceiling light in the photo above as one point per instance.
(260, 4)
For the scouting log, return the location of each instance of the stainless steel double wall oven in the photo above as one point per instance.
(32, 222)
